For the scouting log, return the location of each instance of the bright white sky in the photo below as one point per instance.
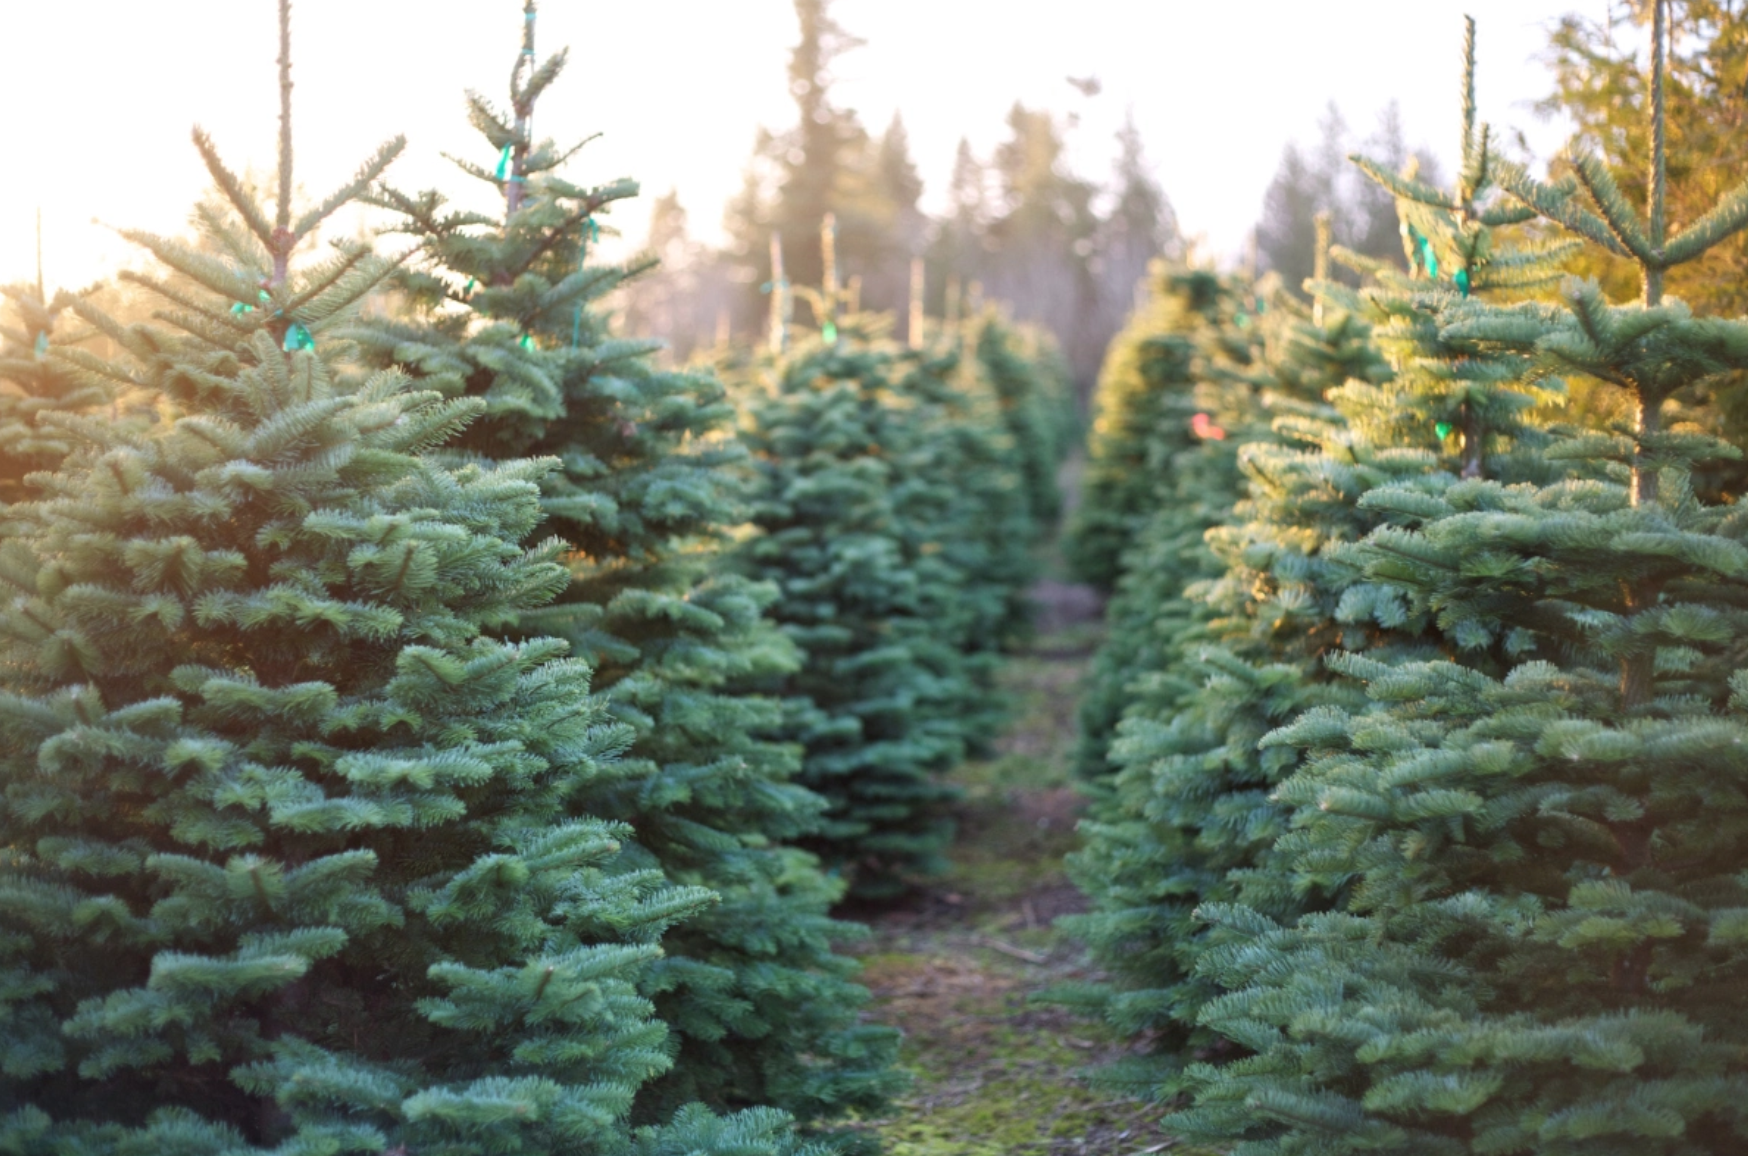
(104, 92)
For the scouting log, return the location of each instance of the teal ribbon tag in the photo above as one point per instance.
(298, 337)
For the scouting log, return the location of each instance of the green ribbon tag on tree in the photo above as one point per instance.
(239, 307)
(527, 341)
(1442, 429)
(1461, 277)
(829, 331)
(42, 344)
(503, 162)
(298, 337)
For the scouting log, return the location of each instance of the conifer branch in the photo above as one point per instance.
(1596, 180)
(1725, 219)
(1405, 187)
(362, 180)
(485, 120)
(216, 275)
(233, 189)
(1555, 202)
(350, 257)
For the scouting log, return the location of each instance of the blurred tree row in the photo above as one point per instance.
(1062, 250)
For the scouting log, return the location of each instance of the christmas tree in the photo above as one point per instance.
(1024, 369)
(1532, 837)
(1204, 387)
(1190, 817)
(967, 501)
(506, 309)
(1141, 416)
(1186, 801)
(33, 382)
(298, 856)
(885, 700)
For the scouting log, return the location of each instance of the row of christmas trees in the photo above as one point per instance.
(1422, 829)
(432, 726)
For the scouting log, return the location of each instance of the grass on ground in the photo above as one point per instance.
(996, 1074)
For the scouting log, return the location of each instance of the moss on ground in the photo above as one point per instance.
(954, 966)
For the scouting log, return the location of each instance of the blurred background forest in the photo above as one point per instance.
(1061, 248)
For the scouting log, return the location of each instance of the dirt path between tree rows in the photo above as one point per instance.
(956, 966)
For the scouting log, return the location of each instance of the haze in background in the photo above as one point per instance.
(678, 88)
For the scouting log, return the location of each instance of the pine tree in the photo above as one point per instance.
(1191, 816)
(891, 504)
(1139, 416)
(1536, 837)
(1036, 406)
(33, 382)
(763, 1010)
(295, 856)
(1188, 487)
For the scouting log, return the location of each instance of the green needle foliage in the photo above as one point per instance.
(34, 382)
(1141, 414)
(1191, 816)
(297, 857)
(1535, 838)
(1031, 382)
(1200, 387)
(505, 309)
(967, 500)
(857, 509)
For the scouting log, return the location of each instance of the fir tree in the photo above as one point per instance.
(1190, 485)
(297, 856)
(1139, 419)
(1535, 838)
(1186, 803)
(763, 1010)
(1036, 406)
(33, 382)
(876, 696)
(893, 519)
(1191, 817)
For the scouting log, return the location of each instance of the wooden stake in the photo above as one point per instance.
(828, 252)
(914, 330)
(779, 298)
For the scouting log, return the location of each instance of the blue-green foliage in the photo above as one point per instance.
(33, 382)
(1141, 415)
(894, 519)
(506, 310)
(1031, 383)
(1181, 391)
(1529, 837)
(296, 856)
(1194, 816)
